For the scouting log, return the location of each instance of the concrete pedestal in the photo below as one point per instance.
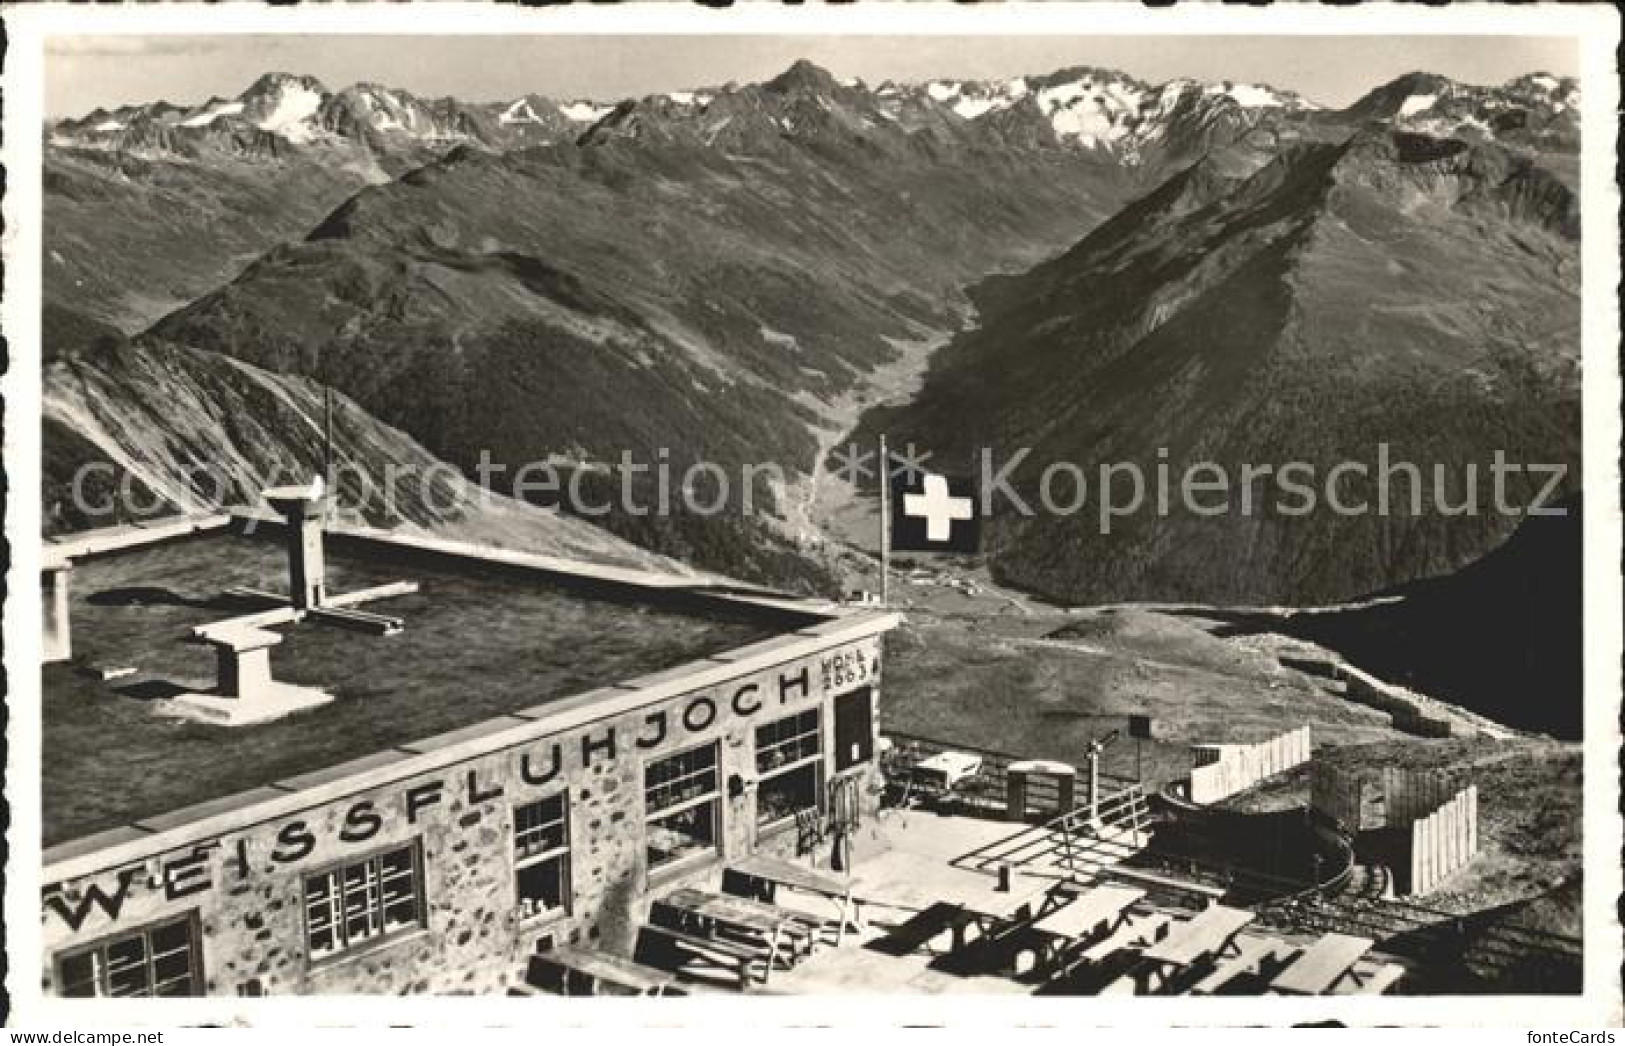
(274, 702)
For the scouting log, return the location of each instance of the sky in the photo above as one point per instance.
(85, 72)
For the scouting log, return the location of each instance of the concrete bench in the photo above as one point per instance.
(244, 692)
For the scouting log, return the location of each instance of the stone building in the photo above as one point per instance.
(499, 753)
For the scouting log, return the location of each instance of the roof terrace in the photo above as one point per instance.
(482, 639)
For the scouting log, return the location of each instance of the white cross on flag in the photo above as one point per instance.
(933, 513)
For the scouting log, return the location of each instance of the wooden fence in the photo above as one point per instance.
(1224, 770)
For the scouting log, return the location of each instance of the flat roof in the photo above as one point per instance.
(483, 638)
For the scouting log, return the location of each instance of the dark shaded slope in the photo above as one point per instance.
(1502, 636)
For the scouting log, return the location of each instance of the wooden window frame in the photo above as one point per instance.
(339, 917)
(194, 950)
(814, 758)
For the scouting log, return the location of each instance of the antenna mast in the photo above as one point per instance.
(327, 446)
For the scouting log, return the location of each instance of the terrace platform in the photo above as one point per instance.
(904, 862)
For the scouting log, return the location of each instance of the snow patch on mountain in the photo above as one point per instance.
(1417, 103)
(519, 112)
(1092, 113)
(1252, 96)
(213, 113)
(291, 116)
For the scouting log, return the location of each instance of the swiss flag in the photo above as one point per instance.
(931, 512)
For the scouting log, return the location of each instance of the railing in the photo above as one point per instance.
(1088, 824)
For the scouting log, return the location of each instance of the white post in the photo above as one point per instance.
(885, 525)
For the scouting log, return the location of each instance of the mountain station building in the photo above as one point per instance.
(285, 758)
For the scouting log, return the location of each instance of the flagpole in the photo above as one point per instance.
(885, 525)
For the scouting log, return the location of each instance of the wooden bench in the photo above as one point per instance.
(1084, 920)
(1105, 961)
(1202, 890)
(716, 915)
(1211, 933)
(760, 876)
(923, 927)
(1116, 973)
(803, 928)
(1136, 933)
(735, 958)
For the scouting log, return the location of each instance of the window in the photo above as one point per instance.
(680, 794)
(789, 767)
(364, 900)
(158, 960)
(541, 850)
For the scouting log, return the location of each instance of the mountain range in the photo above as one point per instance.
(714, 273)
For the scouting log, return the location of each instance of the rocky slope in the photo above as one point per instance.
(166, 429)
